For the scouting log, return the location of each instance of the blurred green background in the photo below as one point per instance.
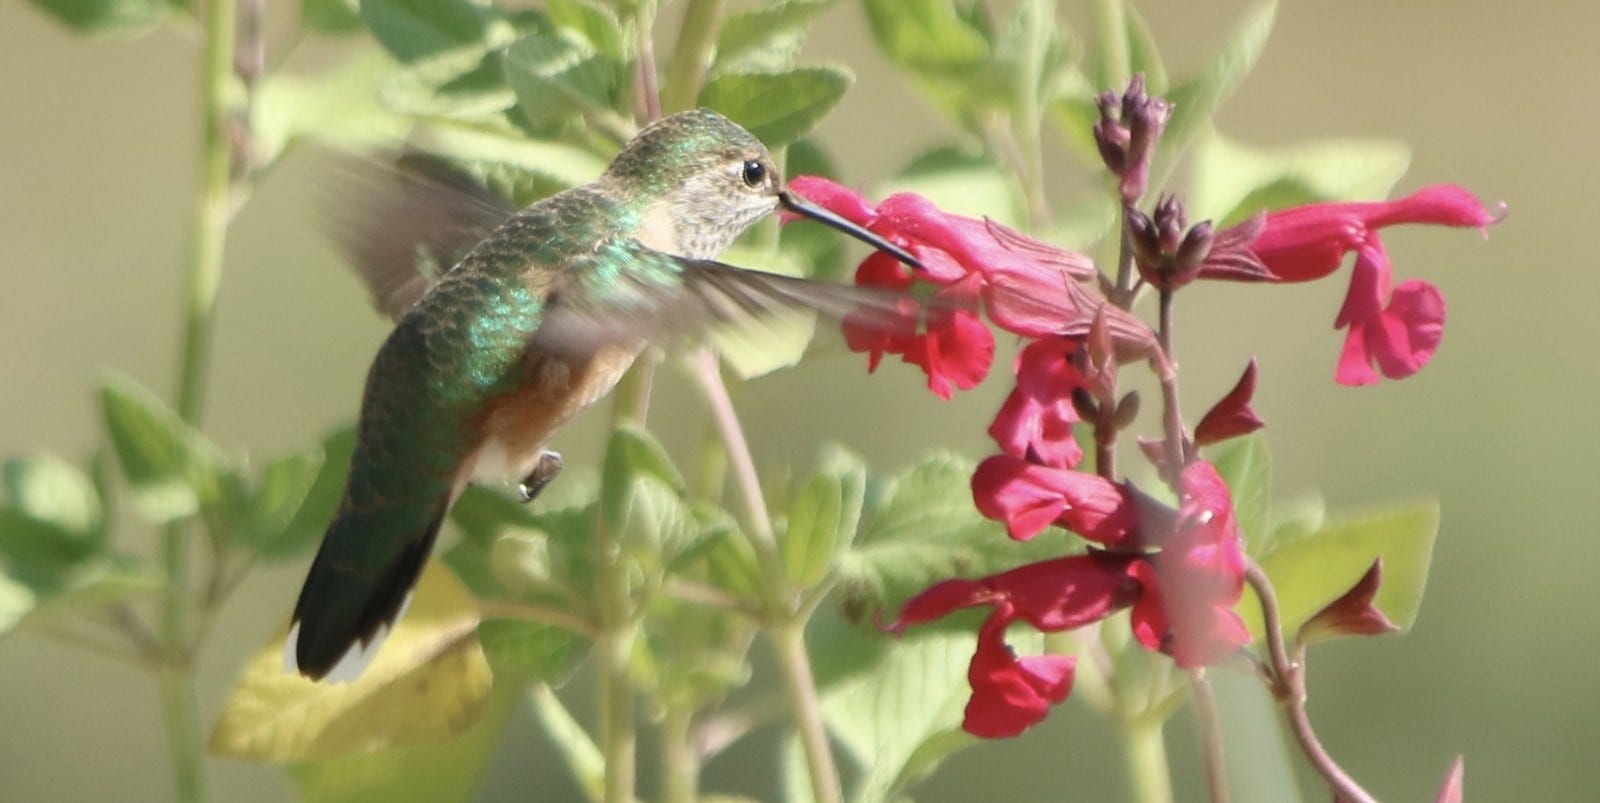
(96, 177)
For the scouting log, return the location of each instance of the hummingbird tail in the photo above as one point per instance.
(346, 609)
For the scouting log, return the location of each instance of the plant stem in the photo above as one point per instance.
(213, 210)
(1205, 705)
(1289, 686)
(708, 371)
(680, 762)
(697, 39)
(789, 638)
(1171, 415)
(1149, 780)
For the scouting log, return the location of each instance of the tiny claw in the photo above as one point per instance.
(543, 472)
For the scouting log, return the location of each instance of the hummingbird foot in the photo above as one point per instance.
(543, 472)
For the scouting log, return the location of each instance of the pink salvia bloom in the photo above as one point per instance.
(1189, 589)
(1029, 498)
(958, 349)
(1392, 330)
(1010, 694)
(1035, 423)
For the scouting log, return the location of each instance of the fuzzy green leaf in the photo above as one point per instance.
(926, 36)
(331, 16)
(451, 770)
(414, 29)
(55, 496)
(752, 30)
(633, 453)
(558, 74)
(339, 107)
(597, 25)
(91, 587)
(106, 17)
(1233, 181)
(531, 650)
(492, 151)
(428, 683)
(318, 502)
(170, 466)
(778, 108)
(1197, 98)
(925, 529)
(771, 342)
(1315, 569)
(958, 182)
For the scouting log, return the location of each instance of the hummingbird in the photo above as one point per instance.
(535, 323)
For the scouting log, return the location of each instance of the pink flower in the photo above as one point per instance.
(1392, 329)
(1010, 694)
(1029, 498)
(1189, 589)
(1035, 423)
(1231, 416)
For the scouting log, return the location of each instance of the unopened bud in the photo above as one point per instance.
(1127, 410)
(1084, 405)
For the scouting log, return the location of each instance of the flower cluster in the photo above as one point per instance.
(1179, 573)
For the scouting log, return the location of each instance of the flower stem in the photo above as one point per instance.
(1289, 685)
(691, 57)
(680, 762)
(1205, 704)
(1149, 779)
(1171, 414)
(789, 639)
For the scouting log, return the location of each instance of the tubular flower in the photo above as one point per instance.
(1391, 329)
(1010, 694)
(1189, 589)
(1029, 498)
(1035, 423)
(977, 264)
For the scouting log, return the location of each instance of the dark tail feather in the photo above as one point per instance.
(348, 605)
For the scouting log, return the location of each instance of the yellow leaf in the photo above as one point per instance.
(428, 683)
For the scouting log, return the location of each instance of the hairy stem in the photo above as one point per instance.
(1171, 415)
(1205, 705)
(697, 40)
(1289, 686)
(1149, 779)
(680, 762)
(789, 639)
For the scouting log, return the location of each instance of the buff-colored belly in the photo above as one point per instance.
(517, 426)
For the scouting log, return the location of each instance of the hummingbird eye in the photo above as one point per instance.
(755, 173)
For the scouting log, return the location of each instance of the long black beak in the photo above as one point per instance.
(801, 206)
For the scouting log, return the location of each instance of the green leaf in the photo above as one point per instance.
(106, 17)
(778, 108)
(414, 29)
(772, 342)
(339, 107)
(1197, 98)
(565, 165)
(319, 501)
(822, 520)
(92, 586)
(558, 74)
(284, 487)
(169, 466)
(331, 16)
(1309, 572)
(484, 514)
(1246, 466)
(429, 682)
(899, 720)
(532, 650)
(16, 601)
(1233, 181)
(465, 85)
(925, 530)
(775, 25)
(632, 453)
(597, 25)
(35, 551)
(450, 770)
(926, 36)
(54, 495)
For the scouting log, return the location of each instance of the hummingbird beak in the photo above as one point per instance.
(801, 206)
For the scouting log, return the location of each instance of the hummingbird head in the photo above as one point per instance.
(707, 180)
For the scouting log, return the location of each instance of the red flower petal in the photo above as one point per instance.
(1035, 423)
(1011, 695)
(1232, 416)
(1353, 613)
(1030, 497)
(834, 197)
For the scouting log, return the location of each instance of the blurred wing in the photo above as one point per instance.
(401, 225)
(624, 293)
